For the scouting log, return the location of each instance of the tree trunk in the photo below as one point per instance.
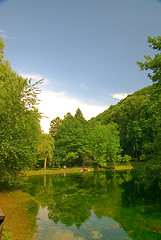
(45, 160)
(44, 180)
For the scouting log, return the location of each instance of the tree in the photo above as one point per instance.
(19, 121)
(46, 148)
(138, 119)
(54, 125)
(139, 115)
(70, 141)
(152, 148)
(78, 113)
(104, 144)
(153, 64)
(1, 49)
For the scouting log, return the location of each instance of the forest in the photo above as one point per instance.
(128, 131)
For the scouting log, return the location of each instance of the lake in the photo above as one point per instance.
(97, 205)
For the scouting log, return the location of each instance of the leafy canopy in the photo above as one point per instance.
(153, 64)
(19, 121)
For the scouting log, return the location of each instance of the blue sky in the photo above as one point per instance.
(86, 50)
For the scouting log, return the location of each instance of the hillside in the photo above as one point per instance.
(138, 117)
(114, 111)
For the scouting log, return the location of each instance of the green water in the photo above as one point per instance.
(101, 205)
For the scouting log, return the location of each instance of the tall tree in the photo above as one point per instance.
(78, 113)
(154, 65)
(45, 149)
(19, 121)
(54, 125)
(70, 141)
(104, 144)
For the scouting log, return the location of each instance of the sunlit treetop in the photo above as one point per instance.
(1, 49)
(78, 113)
(153, 64)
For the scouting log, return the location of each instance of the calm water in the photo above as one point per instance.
(102, 205)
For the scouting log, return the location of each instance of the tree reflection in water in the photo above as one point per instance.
(109, 205)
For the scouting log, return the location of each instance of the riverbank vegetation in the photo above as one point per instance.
(75, 170)
(128, 131)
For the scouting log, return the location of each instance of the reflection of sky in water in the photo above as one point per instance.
(94, 228)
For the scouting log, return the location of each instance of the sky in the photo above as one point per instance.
(85, 50)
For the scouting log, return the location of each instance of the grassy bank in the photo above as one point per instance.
(75, 170)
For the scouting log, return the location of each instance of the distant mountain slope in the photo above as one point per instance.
(138, 117)
(115, 111)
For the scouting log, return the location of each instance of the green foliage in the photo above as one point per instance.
(70, 141)
(1, 49)
(152, 148)
(139, 116)
(19, 122)
(126, 159)
(54, 125)
(77, 200)
(138, 119)
(153, 64)
(6, 235)
(78, 143)
(78, 113)
(45, 149)
(104, 144)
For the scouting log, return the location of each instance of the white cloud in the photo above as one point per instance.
(54, 104)
(83, 85)
(120, 95)
(36, 77)
(2, 33)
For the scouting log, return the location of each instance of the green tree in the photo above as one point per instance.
(105, 144)
(153, 64)
(71, 141)
(54, 125)
(19, 121)
(45, 149)
(138, 119)
(139, 115)
(1, 49)
(152, 148)
(78, 113)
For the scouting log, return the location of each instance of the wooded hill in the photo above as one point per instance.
(139, 121)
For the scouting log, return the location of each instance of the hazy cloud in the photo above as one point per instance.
(2, 33)
(36, 77)
(83, 85)
(120, 95)
(54, 104)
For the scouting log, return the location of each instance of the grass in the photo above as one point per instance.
(75, 170)
(6, 235)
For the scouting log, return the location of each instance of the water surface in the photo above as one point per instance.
(101, 205)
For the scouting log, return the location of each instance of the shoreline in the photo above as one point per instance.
(75, 170)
